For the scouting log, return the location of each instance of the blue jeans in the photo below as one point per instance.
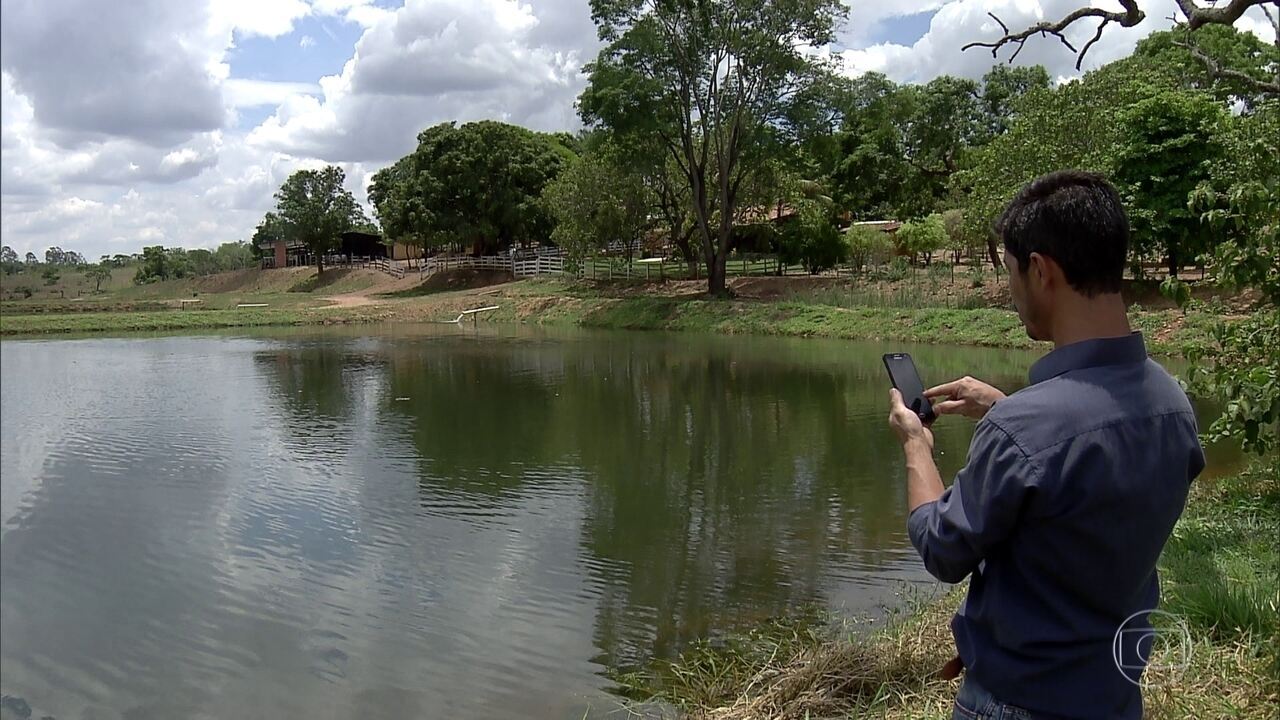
(973, 702)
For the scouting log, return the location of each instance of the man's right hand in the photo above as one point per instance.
(966, 396)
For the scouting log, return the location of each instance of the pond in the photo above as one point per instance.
(432, 522)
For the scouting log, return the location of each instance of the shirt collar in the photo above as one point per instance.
(1090, 353)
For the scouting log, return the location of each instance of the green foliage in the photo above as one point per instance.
(1241, 370)
(900, 144)
(923, 237)
(58, 256)
(315, 209)
(719, 83)
(595, 201)
(479, 184)
(50, 275)
(813, 239)
(99, 274)
(868, 246)
(1241, 201)
(234, 256)
(896, 270)
(1075, 125)
(1167, 146)
(9, 261)
(1233, 50)
(159, 263)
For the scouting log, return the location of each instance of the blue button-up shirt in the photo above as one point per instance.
(1071, 489)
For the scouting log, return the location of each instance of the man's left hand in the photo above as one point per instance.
(906, 423)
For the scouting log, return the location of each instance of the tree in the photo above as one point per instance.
(1243, 59)
(716, 82)
(55, 256)
(98, 274)
(923, 237)
(268, 232)
(597, 201)
(1003, 88)
(31, 259)
(1167, 145)
(202, 262)
(959, 240)
(1194, 17)
(9, 260)
(479, 184)
(154, 267)
(1240, 368)
(315, 209)
(235, 256)
(1075, 125)
(902, 144)
(50, 275)
(872, 178)
(868, 246)
(812, 238)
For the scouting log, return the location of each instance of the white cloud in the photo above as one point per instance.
(93, 70)
(267, 18)
(962, 21)
(243, 93)
(306, 41)
(432, 61)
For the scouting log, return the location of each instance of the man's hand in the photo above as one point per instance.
(966, 396)
(906, 423)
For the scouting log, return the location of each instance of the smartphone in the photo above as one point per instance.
(903, 375)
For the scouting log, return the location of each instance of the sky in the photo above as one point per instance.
(154, 122)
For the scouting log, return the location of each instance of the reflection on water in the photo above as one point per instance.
(443, 523)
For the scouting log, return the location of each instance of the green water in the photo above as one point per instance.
(417, 522)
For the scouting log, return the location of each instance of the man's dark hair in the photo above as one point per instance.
(1077, 219)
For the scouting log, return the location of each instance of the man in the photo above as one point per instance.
(1072, 484)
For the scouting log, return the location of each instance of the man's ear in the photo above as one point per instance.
(1042, 271)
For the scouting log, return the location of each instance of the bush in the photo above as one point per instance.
(923, 237)
(868, 246)
(896, 270)
(813, 239)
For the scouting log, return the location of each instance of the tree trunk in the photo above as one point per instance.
(1174, 263)
(716, 276)
(320, 263)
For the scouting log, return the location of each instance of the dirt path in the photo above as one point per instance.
(350, 300)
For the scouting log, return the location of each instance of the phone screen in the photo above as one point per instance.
(902, 372)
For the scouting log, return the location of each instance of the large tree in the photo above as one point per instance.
(718, 82)
(1076, 125)
(315, 209)
(479, 185)
(1167, 145)
(903, 143)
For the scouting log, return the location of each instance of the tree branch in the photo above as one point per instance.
(1130, 16)
(1198, 16)
(1216, 69)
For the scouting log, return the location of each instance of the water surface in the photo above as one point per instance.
(459, 522)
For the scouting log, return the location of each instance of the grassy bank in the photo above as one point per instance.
(166, 320)
(1220, 575)
(627, 306)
